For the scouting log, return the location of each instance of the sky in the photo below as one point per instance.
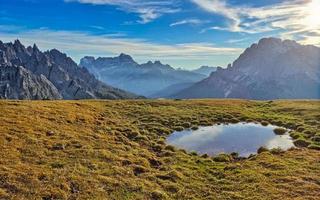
(183, 33)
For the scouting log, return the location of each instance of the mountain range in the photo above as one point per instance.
(28, 73)
(271, 69)
(205, 70)
(146, 79)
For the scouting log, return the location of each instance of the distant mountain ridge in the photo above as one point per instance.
(144, 79)
(205, 70)
(271, 69)
(28, 73)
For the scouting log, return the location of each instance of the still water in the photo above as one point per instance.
(243, 138)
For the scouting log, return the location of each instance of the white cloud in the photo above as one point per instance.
(291, 18)
(189, 21)
(79, 44)
(148, 10)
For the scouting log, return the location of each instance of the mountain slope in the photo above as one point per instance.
(61, 71)
(20, 83)
(145, 79)
(271, 69)
(205, 70)
(171, 90)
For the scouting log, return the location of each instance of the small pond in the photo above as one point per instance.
(243, 138)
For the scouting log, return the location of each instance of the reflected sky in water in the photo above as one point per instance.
(244, 138)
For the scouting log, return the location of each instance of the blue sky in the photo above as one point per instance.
(183, 33)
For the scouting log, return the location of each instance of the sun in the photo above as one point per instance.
(312, 19)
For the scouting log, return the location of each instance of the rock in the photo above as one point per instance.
(57, 147)
(19, 83)
(50, 133)
(137, 170)
(155, 163)
(28, 73)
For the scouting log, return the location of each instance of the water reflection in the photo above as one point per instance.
(244, 138)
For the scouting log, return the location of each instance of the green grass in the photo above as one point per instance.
(117, 150)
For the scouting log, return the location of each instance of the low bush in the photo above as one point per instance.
(262, 149)
(178, 128)
(222, 158)
(194, 128)
(301, 142)
(280, 131)
(170, 148)
(314, 146)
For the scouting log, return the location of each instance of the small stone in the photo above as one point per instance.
(50, 133)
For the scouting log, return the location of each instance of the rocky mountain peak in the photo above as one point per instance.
(145, 79)
(18, 46)
(270, 69)
(276, 44)
(57, 53)
(87, 60)
(125, 58)
(35, 48)
(157, 62)
(17, 43)
(149, 63)
(53, 70)
(269, 41)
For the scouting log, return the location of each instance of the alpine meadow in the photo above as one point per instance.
(159, 100)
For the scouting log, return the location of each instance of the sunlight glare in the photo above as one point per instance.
(312, 19)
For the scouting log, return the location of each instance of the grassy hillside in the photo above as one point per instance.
(116, 150)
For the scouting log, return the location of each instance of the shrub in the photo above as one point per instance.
(279, 131)
(178, 128)
(167, 153)
(154, 162)
(205, 156)
(276, 151)
(186, 124)
(222, 158)
(139, 170)
(171, 188)
(157, 148)
(295, 135)
(316, 138)
(58, 146)
(141, 138)
(158, 195)
(309, 133)
(314, 146)
(205, 123)
(170, 148)
(234, 155)
(301, 142)
(57, 165)
(183, 151)
(234, 120)
(161, 142)
(262, 149)
(193, 153)
(265, 123)
(300, 129)
(194, 128)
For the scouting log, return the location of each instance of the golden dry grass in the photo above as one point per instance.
(117, 150)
